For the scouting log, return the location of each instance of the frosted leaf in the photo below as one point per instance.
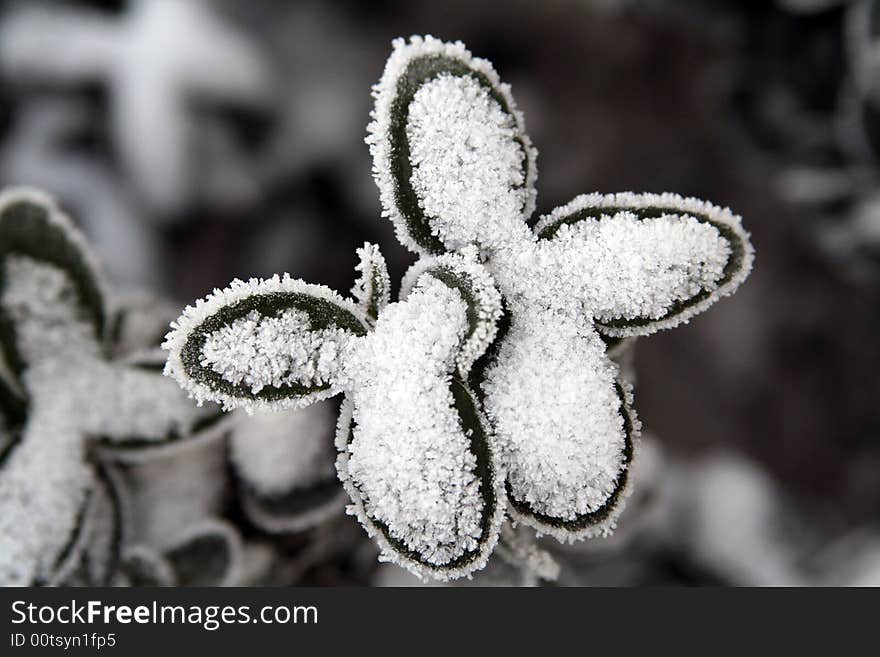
(463, 273)
(44, 488)
(372, 290)
(285, 465)
(153, 59)
(55, 294)
(263, 343)
(93, 551)
(62, 395)
(446, 140)
(655, 260)
(206, 553)
(431, 500)
(143, 566)
(450, 154)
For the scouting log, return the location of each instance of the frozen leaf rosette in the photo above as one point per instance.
(455, 168)
(61, 394)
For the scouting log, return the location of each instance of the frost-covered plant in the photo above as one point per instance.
(455, 168)
(154, 59)
(61, 393)
(428, 472)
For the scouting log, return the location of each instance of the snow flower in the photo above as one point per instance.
(495, 317)
(456, 169)
(61, 394)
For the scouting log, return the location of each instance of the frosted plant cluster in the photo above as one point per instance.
(487, 389)
(431, 500)
(108, 473)
(66, 391)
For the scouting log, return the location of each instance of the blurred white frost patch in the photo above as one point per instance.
(274, 351)
(285, 450)
(41, 301)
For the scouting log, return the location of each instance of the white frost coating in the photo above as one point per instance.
(467, 164)
(373, 286)
(655, 262)
(277, 453)
(274, 351)
(485, 298)
(238, 290)
(41, 301)
(564, 461)
(380, 144)
(43, 486)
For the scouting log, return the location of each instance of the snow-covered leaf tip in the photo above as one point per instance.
(450, 154)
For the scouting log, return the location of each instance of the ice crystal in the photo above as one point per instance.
(455, 168)
(60, 393)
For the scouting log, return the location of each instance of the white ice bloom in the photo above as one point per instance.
(60, 393)
(456, 169)
(415, 455)
(154, 59)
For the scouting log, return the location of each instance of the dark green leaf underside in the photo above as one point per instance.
(419, 72)
(733, 265)
(602, 513)
(321, 312)
(484, 471)
(25, 230)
